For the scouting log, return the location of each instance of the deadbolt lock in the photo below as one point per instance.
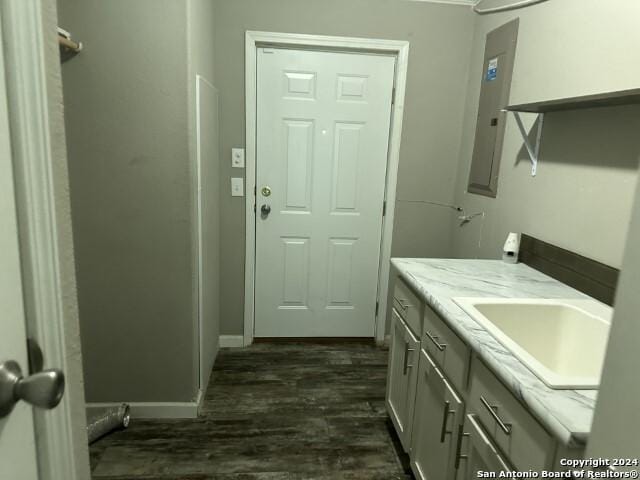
(266, 191)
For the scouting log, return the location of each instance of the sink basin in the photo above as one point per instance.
(563, 342)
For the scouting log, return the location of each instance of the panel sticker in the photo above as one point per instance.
(492, 69)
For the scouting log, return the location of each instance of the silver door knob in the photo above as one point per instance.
(265, 210)
(43, 389)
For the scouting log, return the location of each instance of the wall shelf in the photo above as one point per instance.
(608, 99)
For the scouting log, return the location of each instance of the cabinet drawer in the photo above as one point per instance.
(408, 306)
(513, 428)
(447, 350)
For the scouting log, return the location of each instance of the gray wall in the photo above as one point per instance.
(582, 195)
(127, 125)
(440, 37)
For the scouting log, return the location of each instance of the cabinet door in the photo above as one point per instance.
(438, 413)
(401, 379)
(476, 453)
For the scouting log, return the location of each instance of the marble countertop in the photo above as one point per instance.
(567, 414)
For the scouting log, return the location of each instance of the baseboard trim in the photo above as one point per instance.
(155, 409)
(316, 340)
(231, 341)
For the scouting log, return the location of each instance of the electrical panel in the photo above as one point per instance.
(497, 70)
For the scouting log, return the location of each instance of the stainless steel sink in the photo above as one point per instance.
(563, 342)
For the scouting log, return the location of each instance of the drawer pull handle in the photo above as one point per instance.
(434, 339)
(404, 304)
(492, 409)
(406, 365)
(459, 455)
(445, 417)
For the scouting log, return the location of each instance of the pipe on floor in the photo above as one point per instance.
(111, 419)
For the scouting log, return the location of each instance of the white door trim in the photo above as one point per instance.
(253, 40)
(33, 130)
(203, 374)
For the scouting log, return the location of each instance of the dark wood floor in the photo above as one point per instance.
(284, 411)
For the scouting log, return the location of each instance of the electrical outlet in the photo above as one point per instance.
(237, 157)
(237, 187)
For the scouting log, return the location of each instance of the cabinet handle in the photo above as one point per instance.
(445, 417)
(434, 339)
(403, 304)
(505, 427)
(406, 365)
(459, 455)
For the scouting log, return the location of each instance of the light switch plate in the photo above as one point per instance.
(237, 187)
(237, 157)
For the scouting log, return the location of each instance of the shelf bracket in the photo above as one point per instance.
(533, 150)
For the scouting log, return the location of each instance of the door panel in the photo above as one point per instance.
(438, 412)
(341, 253)
(346, 157)
(296, 261)
(401, 379)
(322, 135)
(299, 148)
(480, 455)
(397, 380)
(17, 440)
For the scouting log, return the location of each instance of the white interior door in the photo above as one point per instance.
(17, 440)
(322, 136)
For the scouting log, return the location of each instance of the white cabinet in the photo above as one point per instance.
(476, 453)
(401, 378)
(438, 413)
(432, 385)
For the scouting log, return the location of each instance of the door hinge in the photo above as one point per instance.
(254, 208)
(254, 190)
(393, 96)
(377, 308)
(384, 208)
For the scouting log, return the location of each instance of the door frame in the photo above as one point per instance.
(398, 48)
(37, 135)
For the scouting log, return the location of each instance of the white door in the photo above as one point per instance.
(17, 441)
(322, 135)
